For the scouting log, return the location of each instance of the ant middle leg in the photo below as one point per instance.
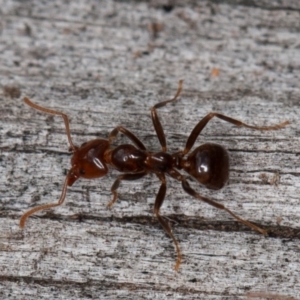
(158, 203)
(192, 192)
(113, 134)
(117, 182)
(198, 128)
(155, 120)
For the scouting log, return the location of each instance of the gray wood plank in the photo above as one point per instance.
(101, 63)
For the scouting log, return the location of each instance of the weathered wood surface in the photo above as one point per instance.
(100, 63)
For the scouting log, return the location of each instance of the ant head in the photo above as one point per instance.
(72, 176)
(88, 161)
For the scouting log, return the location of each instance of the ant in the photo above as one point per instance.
(208, 163)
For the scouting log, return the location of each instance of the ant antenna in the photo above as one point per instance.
(45, 206)
(54, 112)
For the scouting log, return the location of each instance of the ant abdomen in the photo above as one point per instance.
(208, 164)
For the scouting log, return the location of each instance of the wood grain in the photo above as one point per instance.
(102, 64)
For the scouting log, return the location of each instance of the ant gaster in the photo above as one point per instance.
(208, 163)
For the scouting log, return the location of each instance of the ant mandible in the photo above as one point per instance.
(208, 163)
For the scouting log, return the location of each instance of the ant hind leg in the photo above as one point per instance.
(202, 123)
(192, 192)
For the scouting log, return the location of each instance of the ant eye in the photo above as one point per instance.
(81, 171)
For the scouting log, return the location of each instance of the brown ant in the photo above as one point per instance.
(208, 163)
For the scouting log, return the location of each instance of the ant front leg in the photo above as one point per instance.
(129, 134)
(158, 203)
(198, 128)
(156, 123)
(190, 191)
(117, 184)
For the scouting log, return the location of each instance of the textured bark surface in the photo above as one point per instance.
(106, 64)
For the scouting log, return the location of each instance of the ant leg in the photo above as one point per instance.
(190, 191)
(45, 206)
(53, 112)
(198, 128)
(117, 182)
(158, 202)
(129, 134)
(156, 123)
